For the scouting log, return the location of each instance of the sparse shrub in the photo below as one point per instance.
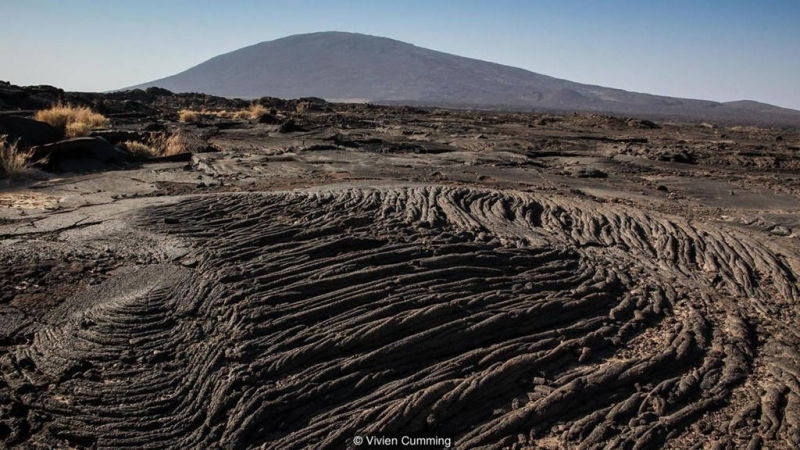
(289, 126)
(181, 142)
(13, 160)
(177, 143)
(256, 111)
(242, 114)
(72, 120)
(222, 114)
(188, 116)
(303, 107)
(77, 129)
(140, 151)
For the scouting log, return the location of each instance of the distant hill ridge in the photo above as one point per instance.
(350, 66)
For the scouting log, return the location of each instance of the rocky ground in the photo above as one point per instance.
(332, 271)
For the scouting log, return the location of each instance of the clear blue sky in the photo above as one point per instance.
(710, 49)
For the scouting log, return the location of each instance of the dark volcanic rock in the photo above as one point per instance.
(312, 104)
(78, 155)
(644, 124)
(269, 119)
(289, 126)
(156, 91)
(677, 156)
(588, 172)
(29, 132)
(116, 136)
(29, 97)
(352, 279)
(155, 126)
(381, 301)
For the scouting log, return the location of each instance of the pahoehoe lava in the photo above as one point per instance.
(499, 318)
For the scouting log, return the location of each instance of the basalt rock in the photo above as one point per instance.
(499, 319)
(289, 126)
(80, 154)
(27, 132)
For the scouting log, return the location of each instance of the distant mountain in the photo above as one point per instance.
(356, 67)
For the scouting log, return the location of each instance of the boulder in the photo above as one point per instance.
(644, 124)
(81, 154)
(30, 97)
(116, 136)
(588, 172)
(311, 104)
(29, 132)
(155, 126)
(157, 91)
(679, 156)
(290, 126)
(269, 118)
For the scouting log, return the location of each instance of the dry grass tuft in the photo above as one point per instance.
(13, 160)
(177, 143)
(253, 112)
(72, 120)
(77, 129)
(242, 114)
(257, 111)
(164, 144)
(140, 150)
(181, 142)
(189, 116)
(221, 114)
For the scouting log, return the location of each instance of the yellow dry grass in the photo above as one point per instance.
(77, 129)
(72, 120)
(242, 114)
(180, 142)
(252, 112)
(176, 143)
(27, 199)
(189, 116)
(13, 160)
(164, 145)
(140, 150)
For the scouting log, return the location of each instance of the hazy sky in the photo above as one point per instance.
(709, 49)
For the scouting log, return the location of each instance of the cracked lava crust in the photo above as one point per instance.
(502, 319)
